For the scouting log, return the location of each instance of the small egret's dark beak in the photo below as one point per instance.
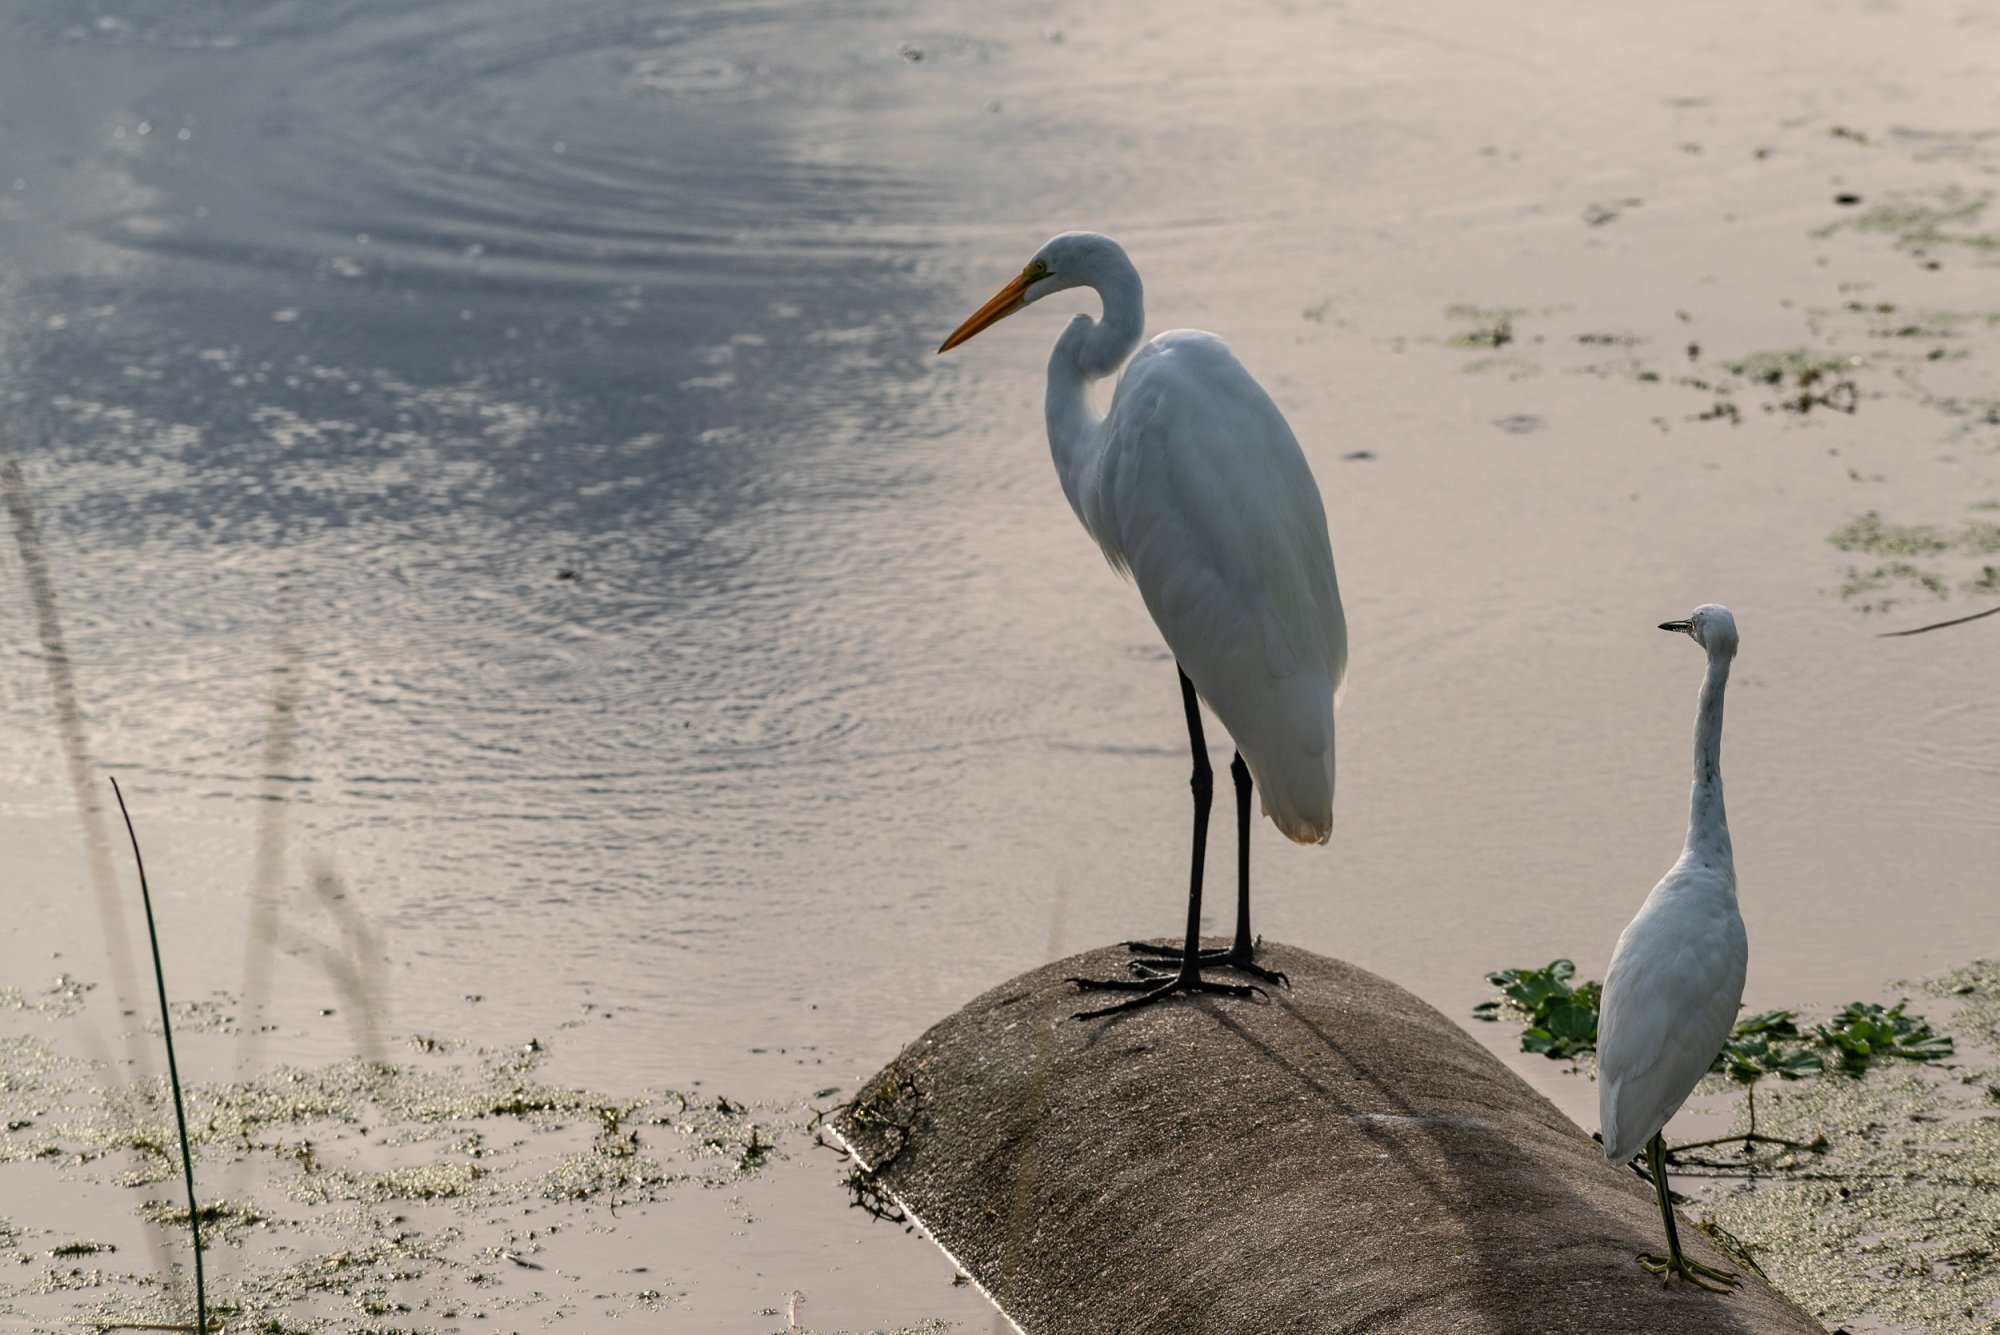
(1682, 626)
(1005, 302)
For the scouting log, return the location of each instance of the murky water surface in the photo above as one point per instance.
(491, 454)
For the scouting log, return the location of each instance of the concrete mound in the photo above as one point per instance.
(1333, 1157)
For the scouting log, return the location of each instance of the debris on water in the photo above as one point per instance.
(1922, 221)
(1846, 198)
(1493, 328)
(1807, 379)
(1520, 423)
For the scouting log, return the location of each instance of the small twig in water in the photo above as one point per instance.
(1937, 625)
(173, 1074)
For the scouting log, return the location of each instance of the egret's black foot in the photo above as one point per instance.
(1151, 990)
(1234, 958)
(1694, 1272)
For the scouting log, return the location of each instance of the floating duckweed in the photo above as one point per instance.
(1981, 537)
(1925, 220)
(934, 1326)
(367, 1169)
(1801, 366)
(1896, 1219)
(62, 999)
(1977, 985)
(219, 1219)
(1871, 534)
(1888, 576)
(601, 1169)
(421, 1182)
(1878, 1199)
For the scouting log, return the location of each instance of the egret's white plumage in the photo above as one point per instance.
(1203, 494)
(1676, 978)
(1193, 484)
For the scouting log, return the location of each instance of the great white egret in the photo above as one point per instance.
(1195, 487)
(1676, 979)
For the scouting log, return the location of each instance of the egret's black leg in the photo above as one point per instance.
(1188, 979)
(1243, 951)
(1674, 1263)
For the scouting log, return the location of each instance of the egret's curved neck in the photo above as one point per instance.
(1708, 824)
(1087, 351)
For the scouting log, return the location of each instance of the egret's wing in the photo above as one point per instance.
(1670, 1001)
(1206, 498)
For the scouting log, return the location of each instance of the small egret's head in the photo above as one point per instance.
(1070, 260)
(1712, 627)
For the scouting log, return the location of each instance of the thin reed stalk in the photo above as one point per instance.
(173, 1067)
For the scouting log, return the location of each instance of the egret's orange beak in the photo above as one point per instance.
(1005, 302)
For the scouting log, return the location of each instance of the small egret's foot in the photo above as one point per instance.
(1694, 1272)
(1236, 957)
(1155, 989)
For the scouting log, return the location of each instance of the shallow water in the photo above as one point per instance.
(547, 392)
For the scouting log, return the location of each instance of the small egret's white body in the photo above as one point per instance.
(1676, 978)
(1193, 484)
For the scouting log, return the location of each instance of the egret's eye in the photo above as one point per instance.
(1036, 269)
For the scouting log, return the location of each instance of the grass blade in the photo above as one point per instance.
(173, 1067)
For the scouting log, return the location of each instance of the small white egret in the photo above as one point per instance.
(1194, 485)
(1676, 979)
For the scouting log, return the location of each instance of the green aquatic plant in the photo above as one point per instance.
(1894, 1220)
(371, 1184)
(1560, 1017)
(1869, 533)
(1887, 576)
(1865, 1030)
(1807, 378)
(1925, 220)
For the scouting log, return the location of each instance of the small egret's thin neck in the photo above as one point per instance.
(1708, 823)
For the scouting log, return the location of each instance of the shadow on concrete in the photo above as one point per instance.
(1338, 1157)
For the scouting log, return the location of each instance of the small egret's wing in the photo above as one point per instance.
(1670, 1001)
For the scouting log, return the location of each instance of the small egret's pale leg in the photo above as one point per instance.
(1243, 951)
(1674, 1263)
(1155, 987)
